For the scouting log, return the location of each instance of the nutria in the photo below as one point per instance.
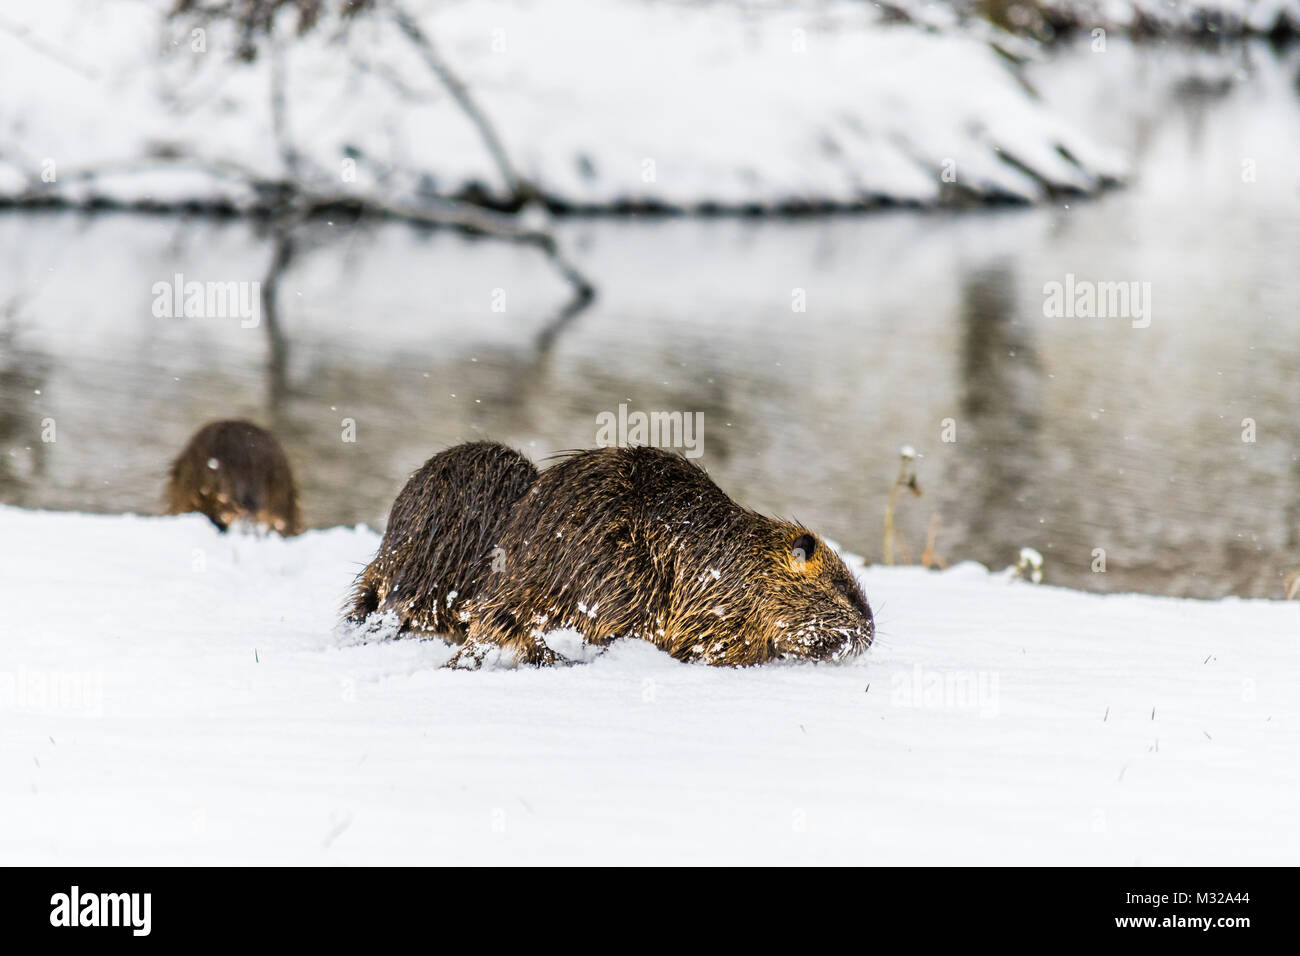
(437, 548)
(235, 471)
(614, 542)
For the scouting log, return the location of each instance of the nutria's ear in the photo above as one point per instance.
(804, 547)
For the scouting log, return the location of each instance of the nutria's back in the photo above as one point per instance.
(235, 471)
(437, 547)
(639, 542)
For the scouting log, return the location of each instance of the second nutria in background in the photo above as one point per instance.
(441, 531)
(234, 471)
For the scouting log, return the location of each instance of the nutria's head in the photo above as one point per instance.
(809, 603)
(773, 589)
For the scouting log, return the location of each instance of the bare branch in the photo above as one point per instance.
(280, 107)
(460, 93)
(449, 212)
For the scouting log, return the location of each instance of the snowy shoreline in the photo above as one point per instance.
(178, 696)
(783, 109)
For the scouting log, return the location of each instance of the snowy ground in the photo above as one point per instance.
(735, 105)
(168, 695)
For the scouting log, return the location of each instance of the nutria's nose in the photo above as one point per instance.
(853, 592)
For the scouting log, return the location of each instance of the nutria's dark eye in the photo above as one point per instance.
(803, 547)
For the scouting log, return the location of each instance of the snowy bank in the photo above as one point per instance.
(170, 695)
(618, 105)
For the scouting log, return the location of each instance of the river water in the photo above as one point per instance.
(1125, 437)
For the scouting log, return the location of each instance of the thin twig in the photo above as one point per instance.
(449, 212)
(930, 560)
(906, 479)
(461, 94)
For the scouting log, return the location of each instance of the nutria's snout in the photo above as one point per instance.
(867, 632)
(853, 594)
(862, 639)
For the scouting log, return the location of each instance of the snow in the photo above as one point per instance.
(171, 695)
(733, 106)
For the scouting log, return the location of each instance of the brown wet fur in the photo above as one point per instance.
(637, 542)
(251, 480)
(437, 548)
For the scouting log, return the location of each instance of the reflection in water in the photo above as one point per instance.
(1069, 435)
(22, 448)
(1001, 401)
(277, 360)
(285, 236)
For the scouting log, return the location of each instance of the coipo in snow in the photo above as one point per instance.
(651, 548)
(102, 909)
(234, 471)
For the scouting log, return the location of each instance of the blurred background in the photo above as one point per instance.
(828, 227)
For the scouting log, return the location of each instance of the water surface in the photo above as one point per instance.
(1072, 434)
